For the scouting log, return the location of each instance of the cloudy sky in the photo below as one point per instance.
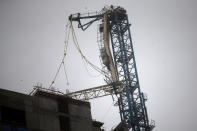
(32, 34)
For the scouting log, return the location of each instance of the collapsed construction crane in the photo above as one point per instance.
(120, 65)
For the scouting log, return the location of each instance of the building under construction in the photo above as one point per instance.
(49, 110)
(44, 110)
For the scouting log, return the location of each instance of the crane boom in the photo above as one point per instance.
(95, 92)
(84, 95)
(121, 64)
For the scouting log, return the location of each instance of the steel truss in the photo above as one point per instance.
(131, 100)
(94, 92)
(83, 95)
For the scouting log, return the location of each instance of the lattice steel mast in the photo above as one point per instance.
(122, 66)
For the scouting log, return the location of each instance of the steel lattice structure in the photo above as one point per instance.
(131, 100)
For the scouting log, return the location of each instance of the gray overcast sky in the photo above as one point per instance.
(32, 34)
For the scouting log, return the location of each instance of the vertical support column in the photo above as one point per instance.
(142, 103)
(127, 102)
(132, 104)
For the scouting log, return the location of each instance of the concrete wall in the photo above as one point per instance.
(41, 114)
(82, 120)
(49, 112)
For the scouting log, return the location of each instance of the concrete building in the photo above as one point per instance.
(44, 111)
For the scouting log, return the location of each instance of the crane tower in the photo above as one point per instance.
(121, 65)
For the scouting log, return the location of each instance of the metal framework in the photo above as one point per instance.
(131, 100)
(83, 95)
(94, 92)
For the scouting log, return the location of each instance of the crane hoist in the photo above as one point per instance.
(121, 66)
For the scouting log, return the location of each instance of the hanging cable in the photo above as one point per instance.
(66, 75)
(63, 58)
(67, 37)
(56, 75)
(65, 50)
(69, 27)
(83, 57)
(86, 67)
